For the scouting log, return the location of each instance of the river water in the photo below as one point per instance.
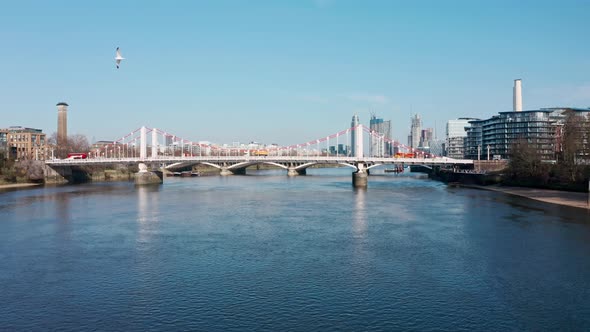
(268, 252)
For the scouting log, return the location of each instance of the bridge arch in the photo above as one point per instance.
(348, 165)
(374, 165)
(208, 164)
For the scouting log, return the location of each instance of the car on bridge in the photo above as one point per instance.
(259, 153)
(77, 155)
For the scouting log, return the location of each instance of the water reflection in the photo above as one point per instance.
(359, 226)
(147, 210)
(289, 254)
(62, 208)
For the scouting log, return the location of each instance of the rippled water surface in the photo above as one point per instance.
(268, 252)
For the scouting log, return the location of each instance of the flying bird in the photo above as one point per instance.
(118, 58)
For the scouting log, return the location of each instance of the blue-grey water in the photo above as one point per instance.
(268, 252)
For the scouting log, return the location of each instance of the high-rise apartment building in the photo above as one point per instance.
(343, 149)
(540, 128)
(388, 142)
(4, 152)
(24, 143)
(62, 123)
(415, 131)
(168, 140)
(380, 138)
(426, 136)
(455, 137)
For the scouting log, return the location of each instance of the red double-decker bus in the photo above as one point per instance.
(77, 155)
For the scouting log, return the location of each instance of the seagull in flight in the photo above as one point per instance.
(118, 58)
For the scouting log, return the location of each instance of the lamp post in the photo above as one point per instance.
(478, 156)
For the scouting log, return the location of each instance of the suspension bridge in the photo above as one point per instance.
(168, 151)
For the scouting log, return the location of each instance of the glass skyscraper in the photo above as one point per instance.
(353, 143)
(381, 137)
(416, 131)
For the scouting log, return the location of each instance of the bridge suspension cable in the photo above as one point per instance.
(165, 143)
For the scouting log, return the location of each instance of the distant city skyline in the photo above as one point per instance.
(285, 72)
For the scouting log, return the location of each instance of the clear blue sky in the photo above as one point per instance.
(285, 71)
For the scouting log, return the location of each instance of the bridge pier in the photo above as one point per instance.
(144, 177)
(360, 178)
(57, 175)
(225, 171)
(292, 171)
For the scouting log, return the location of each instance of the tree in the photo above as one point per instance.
(74, 143)
(526, 165)
(78, 143)
(575, 145)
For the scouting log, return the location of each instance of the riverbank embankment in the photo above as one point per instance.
(567, 198)
(19, 185)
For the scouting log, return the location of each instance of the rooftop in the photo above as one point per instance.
(550, 109)
(21, 129)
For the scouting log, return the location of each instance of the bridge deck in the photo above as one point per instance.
(265, 159)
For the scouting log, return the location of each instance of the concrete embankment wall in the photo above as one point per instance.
(466, 177)
(111, 175)
(57, 175)
(490, 165)
(484, 172)
(61, 175)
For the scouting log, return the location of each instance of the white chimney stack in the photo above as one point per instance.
(517, 91)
